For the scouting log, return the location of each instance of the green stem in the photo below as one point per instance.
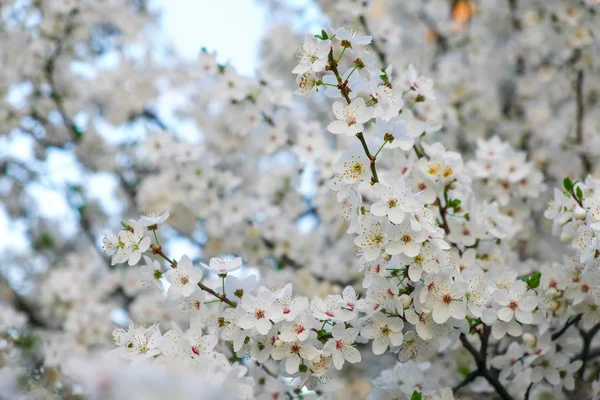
(351, 72)
(221, 297)
(157, 250)
(341, 54)
(384, 143)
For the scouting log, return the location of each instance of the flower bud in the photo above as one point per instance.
(565, 237)
(529, 339)
(554, 305)
(579, 213)
(359, 63)
(278, 343)
(405, 300)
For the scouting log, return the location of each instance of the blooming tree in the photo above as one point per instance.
(362, 218)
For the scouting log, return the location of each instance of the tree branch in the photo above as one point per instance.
(569, 323)
(579, 115)
(585, 353)
(480, 358)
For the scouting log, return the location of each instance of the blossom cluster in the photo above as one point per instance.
(380, 235)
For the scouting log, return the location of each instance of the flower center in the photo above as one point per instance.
(358, 168)
(513, 305)
(585, 288)
(260, 314)
(447, 299)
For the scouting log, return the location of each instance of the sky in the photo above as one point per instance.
(232, 27)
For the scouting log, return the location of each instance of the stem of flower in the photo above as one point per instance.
(384, 143)
(351, 72)
(341, 54)
(374, 177)
(221, 297)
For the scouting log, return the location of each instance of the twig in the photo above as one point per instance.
(528, 392)
(480, 359)
(332, 66)
(374, 177)
(468, 379)
(585, 353)
(158, 251)
(569, 323)
(580, 112)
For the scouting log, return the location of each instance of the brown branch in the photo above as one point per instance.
(468, 379)
(569, 323)
(221, 297)
(332, 66)
(22, 305)
(585, 353)
(528, 392)
(363, 142)
(158, 251)
(443, 211)
(579, 115)
(480, 358)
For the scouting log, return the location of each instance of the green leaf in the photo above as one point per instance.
(568, 184)
(454, 203)
(533, 282)
(384, 76)
(25, 342)
(416, 396)
(463, 370)
(324, 34)
(579, 193)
